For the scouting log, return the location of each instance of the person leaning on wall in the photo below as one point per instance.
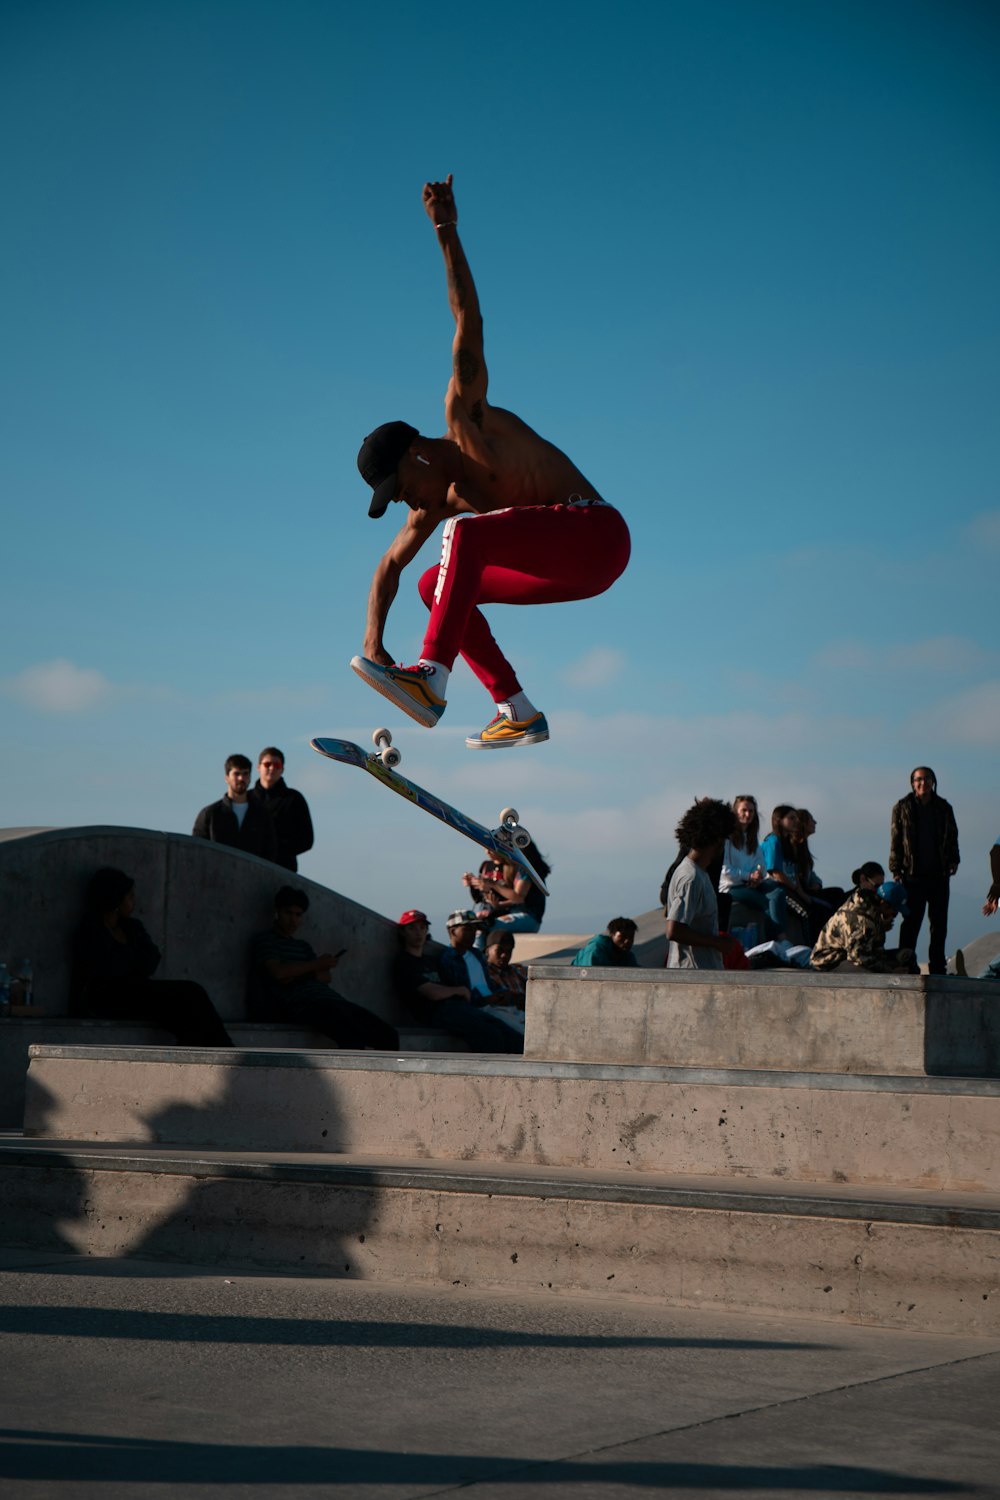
(114, 959)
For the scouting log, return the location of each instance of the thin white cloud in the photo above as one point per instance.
(596, 669)
(278, 697)
(59, 687)
(983, 530)
(969, 718)
(942, 653)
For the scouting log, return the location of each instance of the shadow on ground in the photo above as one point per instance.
(92, 1459)
(200, 1328)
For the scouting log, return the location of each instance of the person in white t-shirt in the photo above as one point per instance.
(692, 911)
(236, 819)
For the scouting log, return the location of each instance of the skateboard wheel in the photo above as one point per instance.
(509, 818)
(521, 837)
(381, 738)
(390, 757)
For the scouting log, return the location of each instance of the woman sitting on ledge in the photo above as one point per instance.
(113, 960)
(744, 878)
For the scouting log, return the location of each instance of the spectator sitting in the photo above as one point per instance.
(289, 810)
(744, 876)
(114, 958)
(825, 899)
(611, 949)
(692, 912)
(297, 981)
(510, 980)
(463, 928)
(868, 878)
(854, 937)
(442, 996)
(482, 890)
(509, 983)
(235, 819)
(515, 900)
(779, 858)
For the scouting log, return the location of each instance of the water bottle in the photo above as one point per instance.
(4, 991)
(25, 974)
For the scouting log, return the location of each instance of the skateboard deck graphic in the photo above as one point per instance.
(497, 840)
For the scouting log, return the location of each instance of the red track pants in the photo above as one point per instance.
(538, 554)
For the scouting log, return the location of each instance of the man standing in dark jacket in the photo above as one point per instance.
(236, 820)
(288, 808)
(923, 854)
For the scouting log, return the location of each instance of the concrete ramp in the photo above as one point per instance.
(201, 902)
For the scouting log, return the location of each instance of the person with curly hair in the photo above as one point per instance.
(692, 911)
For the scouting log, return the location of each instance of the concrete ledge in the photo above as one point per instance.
(831, 1128)
(18, 1035)
(865, 1023)
(925, 1264)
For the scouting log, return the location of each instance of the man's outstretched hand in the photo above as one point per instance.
(439, 201)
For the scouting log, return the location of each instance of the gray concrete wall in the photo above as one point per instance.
(838, 1023)
(919, 1132)
(519, 1233)
(200, 902)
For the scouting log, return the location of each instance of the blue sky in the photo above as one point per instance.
(738, 259)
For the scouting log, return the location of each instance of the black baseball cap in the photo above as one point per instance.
(378, 460)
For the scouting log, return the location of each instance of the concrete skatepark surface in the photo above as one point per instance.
(142, 1380)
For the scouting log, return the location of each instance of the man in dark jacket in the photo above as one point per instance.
(923, 854)
(288, 808)
(437, 989)
(236, 820)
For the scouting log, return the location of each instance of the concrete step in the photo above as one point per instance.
(628, 1119)
(920, 1261)
(838, 1023)
(19, 1033)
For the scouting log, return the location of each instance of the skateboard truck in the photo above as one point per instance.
(382, 740)
(510, 830)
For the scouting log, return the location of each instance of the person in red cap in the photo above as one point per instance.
(446, 999)
(522, 525)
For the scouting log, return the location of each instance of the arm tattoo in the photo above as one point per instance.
(456, 285)
(466, 366)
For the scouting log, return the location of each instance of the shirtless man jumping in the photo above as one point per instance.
(522, 525)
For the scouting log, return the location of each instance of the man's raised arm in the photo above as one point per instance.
(469, 375)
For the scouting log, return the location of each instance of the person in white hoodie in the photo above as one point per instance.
(744, 876)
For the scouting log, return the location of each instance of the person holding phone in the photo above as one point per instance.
(292, 982)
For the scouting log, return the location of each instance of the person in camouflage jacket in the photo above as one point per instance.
(855, 935)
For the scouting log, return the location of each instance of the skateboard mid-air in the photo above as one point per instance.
(508, 839)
